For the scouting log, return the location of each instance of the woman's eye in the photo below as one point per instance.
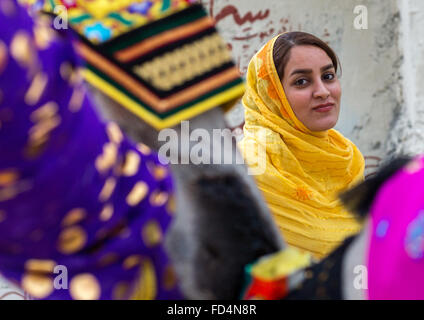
(300, 82)
(329, 76)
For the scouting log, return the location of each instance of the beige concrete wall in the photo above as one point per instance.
(407, 134)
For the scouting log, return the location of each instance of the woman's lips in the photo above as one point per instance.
(324, 107)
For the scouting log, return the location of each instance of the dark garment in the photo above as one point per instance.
(323, 281)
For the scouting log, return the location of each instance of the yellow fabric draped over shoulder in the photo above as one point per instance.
(301, 172)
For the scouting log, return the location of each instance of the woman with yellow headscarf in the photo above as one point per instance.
(291, 105)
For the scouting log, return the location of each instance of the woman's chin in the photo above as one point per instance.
(323, 124)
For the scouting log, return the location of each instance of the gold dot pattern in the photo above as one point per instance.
(143, 149)
(40, 266)
(77, 99)
(43, 34)
(158, 198)
(169, 278)
(45, 112)
(108, 158)
(11, 191)
(137, 194)
(159, 172)
(38, 286)
(74, 216)
(35, 148)
(132, 261)
(8, 193)
(121, 291)
(76, 77)
(21, 49)
(71, 240)
(8, 177)
(108, 259)
(151, 234)
(106, 213)
(147, 285)
(131, 164)
(42, 128)
(114, 133)
(107, 189)
(171, 207)
(85, 287)
(36, 89)
(65, 70)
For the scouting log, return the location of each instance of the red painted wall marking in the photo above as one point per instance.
(248, 17)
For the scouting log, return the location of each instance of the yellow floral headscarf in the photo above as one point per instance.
(305, 170)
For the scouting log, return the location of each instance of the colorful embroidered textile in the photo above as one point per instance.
(102, 20)
(83, 212)
(396, 246)
(163, 60)
(303, 171)
(274, 276)
(317, 281)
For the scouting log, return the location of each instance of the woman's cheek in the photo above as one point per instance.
(336, 91)
(304, 101)
(299, 101)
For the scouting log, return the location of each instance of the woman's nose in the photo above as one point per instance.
(320, 90)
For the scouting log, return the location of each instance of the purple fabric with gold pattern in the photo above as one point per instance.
(74, 192)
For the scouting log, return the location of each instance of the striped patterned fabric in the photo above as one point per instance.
(162, 60)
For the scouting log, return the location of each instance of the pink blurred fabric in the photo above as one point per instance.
(396, 246)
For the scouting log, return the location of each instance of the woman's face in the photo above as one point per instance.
(312, 87)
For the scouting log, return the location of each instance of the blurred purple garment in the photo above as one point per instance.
(83, 211)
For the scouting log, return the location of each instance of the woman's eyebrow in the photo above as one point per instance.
(328, 66)
(303, 71)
